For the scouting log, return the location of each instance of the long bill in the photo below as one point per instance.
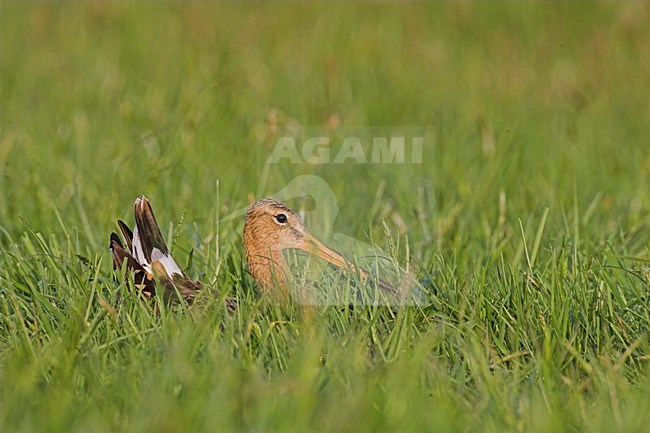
(313, 246)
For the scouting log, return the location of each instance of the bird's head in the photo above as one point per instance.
(271, 225)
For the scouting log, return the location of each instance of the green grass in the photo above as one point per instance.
(528, 221)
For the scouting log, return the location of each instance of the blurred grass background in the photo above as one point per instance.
(529, 216)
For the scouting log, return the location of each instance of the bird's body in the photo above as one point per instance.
(270, 227)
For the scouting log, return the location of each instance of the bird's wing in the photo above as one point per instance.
(127, 234)
(142, 279)
(177, 285)
(148, 244)
(149, 258)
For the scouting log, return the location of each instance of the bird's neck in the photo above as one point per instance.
(269, 268)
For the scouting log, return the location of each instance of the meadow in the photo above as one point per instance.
(527, 221)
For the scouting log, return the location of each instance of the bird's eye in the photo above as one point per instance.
(281, 218)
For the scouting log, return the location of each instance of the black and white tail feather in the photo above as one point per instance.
(149, 259)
